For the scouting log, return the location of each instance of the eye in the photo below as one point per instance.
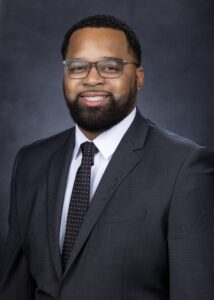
(77, 68)
(110, 67)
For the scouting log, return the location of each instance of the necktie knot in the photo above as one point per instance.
(89, 150)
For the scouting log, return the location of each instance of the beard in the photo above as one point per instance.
(101, 118)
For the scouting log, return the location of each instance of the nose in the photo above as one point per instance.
(93, 77)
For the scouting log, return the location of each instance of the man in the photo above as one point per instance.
(131, 216)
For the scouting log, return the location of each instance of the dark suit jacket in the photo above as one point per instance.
(148, 233)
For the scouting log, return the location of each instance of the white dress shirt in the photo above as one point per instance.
(106, 143)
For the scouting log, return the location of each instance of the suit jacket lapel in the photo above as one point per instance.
(122, 162)
(57, 178)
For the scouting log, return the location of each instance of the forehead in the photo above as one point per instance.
(93, 43)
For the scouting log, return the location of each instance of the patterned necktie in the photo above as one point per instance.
(79, 200)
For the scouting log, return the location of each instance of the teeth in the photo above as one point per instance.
(94, 98)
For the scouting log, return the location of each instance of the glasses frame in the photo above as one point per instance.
(95, 64)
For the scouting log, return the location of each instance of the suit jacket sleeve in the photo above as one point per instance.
(191, 229)
(16, 282)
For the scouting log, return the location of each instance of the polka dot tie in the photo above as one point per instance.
(79, 200)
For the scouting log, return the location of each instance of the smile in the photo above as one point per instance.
(95, 98)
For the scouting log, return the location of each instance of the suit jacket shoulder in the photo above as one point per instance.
(48, 145)
(41, 151)
(158, 142)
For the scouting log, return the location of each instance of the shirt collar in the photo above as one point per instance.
(107, 141)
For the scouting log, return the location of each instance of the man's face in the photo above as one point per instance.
(97, 103)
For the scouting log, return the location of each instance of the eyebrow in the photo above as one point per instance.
(111, 57)
(102, 57)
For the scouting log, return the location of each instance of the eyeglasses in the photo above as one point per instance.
(106, 68)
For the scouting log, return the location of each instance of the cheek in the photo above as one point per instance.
(70, 87)
(123, 86)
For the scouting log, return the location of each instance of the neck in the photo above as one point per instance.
(90, 135)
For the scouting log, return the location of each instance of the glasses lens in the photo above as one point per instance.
(110, 68)
(76, 69)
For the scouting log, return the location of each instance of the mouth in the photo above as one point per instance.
(94, 98)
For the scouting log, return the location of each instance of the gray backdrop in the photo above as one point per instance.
(178, 56)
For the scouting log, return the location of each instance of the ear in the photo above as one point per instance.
(139, 77)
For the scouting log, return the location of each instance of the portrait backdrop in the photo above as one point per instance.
(177, 39)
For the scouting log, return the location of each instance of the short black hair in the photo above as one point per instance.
(105, 21)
